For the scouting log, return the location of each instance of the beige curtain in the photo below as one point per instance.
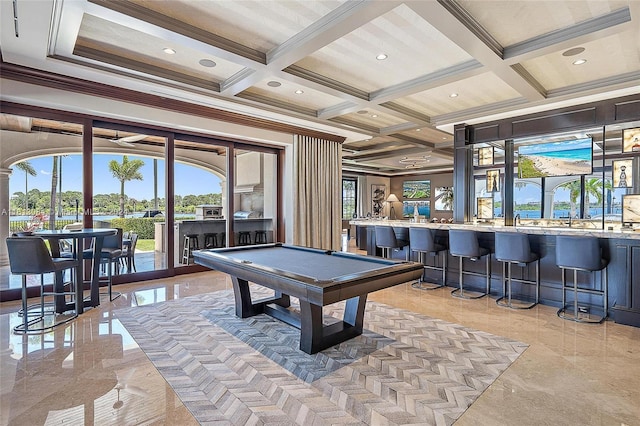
(317, 191)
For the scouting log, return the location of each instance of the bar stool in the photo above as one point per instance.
(514, 247)
(30, 256)
(581, 254)
(110, 256)
(244, 238)
(421, 241)
(464, 244)
(191, 243)
(223, 239)
(210, 240)
(261, 237)
(386, 239)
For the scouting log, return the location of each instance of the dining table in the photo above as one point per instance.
(80, 238)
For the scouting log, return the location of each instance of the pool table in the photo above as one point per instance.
(315, 277)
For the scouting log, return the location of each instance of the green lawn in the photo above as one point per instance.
(145, 245)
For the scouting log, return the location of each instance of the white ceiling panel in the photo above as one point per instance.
(481, 90)
(606, 57)
(286, 92)
(260, 25)
(510, 22)
(413, 46)
(129, 44)
(374, 118)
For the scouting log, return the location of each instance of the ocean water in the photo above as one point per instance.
(569, 154)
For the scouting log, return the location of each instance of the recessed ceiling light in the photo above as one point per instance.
(374, 115)
(382, 57)
(573, 52)
(579, 62)
(417, 130)
(453, 95)
(444, 138)
(363, 111)
(274, 83)
(299, 92)
(169, 51)
(207, 63)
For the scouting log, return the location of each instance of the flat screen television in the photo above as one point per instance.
(562, 158)
(416, 189)
(631, 208)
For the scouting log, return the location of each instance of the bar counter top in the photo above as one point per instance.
(534, 230)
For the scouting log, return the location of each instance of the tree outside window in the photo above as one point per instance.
(348, 197)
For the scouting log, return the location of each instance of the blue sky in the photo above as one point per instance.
(189, 180)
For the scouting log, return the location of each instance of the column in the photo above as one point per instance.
(4, 217)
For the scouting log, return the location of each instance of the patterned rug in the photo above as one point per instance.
(405, 368)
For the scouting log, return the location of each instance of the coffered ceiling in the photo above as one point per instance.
(446, 62)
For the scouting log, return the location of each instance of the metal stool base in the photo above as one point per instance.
(568, 314)
(421, 285)
(515, 303)
(467, 294)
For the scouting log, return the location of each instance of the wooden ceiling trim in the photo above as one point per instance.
(72, 84)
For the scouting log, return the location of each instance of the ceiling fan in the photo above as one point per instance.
(126, 141)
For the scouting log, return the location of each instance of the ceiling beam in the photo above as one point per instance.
(565, 38)
(451, 20)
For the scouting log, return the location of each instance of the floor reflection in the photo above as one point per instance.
(89, 371)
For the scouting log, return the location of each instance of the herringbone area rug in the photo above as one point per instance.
(406, 368)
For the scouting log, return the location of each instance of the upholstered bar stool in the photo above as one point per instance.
(110, 256)
(464, 244)
(386, 239)
(30, 256)
(581, 254)
(514, 248)
(421, 241)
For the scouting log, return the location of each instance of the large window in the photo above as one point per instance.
(349, 194)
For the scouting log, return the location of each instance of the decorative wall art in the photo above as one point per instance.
(622, 173)
(378, 197)
(631, 140)
(485, 156)
(493, 180)
(444, 198)
(485, 208)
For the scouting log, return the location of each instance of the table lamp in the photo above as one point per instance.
(392, 199)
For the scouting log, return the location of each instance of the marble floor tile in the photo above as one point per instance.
(93, 372)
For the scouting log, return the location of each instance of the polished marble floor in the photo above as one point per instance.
(92, 372)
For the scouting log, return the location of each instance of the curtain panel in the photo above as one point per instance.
(317, 193)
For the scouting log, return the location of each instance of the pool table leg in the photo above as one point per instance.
(315, 336)
(245, 308)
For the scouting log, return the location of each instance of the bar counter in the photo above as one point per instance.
(621, 247)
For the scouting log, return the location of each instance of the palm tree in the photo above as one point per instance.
(592, 187)
(124, 172)
(54, 187)
(28, 169)
(446, 197)
(574, 193)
